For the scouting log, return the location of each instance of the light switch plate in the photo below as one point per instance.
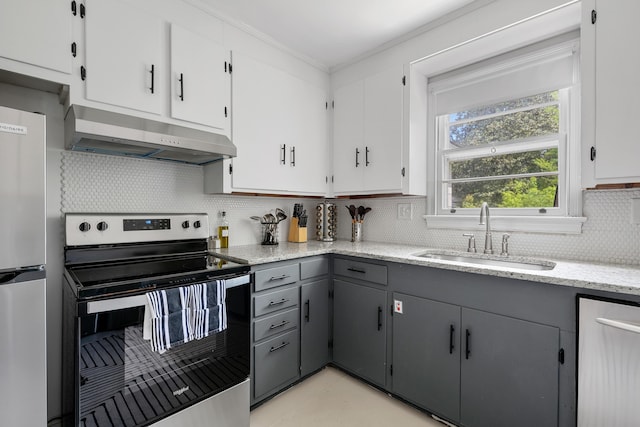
(397, 306)
(405, 211)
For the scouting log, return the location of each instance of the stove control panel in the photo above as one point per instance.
(96, 229)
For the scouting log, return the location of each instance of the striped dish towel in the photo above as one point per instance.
(207, 311)
(169, 316)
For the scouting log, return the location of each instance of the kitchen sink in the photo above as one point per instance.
(492, 262)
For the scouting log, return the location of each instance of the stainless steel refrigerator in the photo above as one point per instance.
(23, 391)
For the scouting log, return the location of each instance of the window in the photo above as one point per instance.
(504, 131)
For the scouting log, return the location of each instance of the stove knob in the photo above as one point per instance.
(185, 224)
(102, 226)
(196, 224)
(84, 226)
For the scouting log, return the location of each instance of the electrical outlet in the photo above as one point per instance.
(405, 211)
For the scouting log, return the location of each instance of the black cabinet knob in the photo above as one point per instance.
(102, 226)
(84, 226)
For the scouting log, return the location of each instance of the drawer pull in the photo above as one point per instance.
(279, 325)
(284, 276)
(356, 270)
(278, 347)
(282, 301)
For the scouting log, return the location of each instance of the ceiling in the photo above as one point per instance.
(332, 32)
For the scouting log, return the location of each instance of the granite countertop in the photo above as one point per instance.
(604, 277)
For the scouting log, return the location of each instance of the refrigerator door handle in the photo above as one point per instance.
(626, 326)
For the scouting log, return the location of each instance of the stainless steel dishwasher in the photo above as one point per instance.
(608, 363)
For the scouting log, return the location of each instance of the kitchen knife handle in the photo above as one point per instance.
(181, 80)
(379, 318)
(452, 339)
(153, 78)
(308, 310)
(357, 154)
(366, 156)
(467, 344)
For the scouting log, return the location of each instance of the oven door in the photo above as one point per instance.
(123, 382)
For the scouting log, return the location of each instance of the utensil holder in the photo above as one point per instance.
(270, 234)
(356, 231)
(326, 222)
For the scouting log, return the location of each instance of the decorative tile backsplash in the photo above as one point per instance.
(97, 183)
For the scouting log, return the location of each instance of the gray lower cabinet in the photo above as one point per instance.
(426, 354)
(360, 330)
(276, 362)
(314, 330)
(475, 368)
(509, 371)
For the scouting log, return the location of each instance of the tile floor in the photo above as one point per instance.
(332, 398)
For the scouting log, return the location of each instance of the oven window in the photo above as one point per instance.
(123, 382)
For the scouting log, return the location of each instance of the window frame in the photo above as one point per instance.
(564, 219)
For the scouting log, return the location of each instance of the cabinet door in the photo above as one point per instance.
(314, 320)
(426, 354)
(383, 132)
(200, 83)
(348, 136)
(276, 363)
(277, 118)
(359, 330)
(509, 371)
(123, 56)
(617, 91)
(37, 32)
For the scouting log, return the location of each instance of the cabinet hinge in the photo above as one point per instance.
(402, 171)
(83, 10)
(330, 294)
(74, 8)
(561, 356)
(594, 16)
(404, 80)
(391, 370)
(330, 344)
(230, 169)
(592, 155)
(225, 111)
(74, 49)
(83, 72)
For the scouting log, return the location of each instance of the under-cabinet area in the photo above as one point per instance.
(472, 349)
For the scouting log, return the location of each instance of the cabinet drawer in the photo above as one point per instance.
(276, 362)
(277, 276)
(276, 324)
(313, 268)
(361, 270)
(273, 301)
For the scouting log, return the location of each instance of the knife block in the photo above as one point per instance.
(297, 234)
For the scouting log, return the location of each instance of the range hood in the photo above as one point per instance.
(104, 132)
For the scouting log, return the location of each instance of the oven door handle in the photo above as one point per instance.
(102, 306)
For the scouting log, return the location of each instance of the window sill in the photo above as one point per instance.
(529, 224)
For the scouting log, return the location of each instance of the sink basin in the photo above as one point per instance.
(468, 259)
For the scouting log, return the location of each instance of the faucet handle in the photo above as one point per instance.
(505, 244)
(472, 242)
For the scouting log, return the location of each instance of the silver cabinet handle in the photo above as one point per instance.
(283, 159)
(278, 347)
(284, 276)
(293, 156)
(282, 301)
(279, 325)
(366, 156)
(625, 326)
(357, 154)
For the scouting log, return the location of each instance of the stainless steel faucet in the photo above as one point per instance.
(484, 212)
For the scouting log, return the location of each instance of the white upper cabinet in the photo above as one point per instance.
(279, 129)
(200, 81)
(37, 32)
(124, 56)
(610, 111)
(368, 143)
